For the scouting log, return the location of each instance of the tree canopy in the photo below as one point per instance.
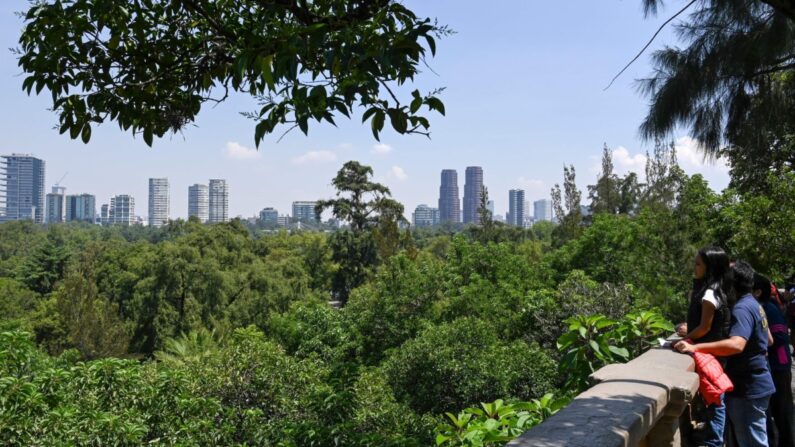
(150, 66)
(732, 83)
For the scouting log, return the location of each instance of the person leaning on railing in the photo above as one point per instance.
(709, 319)
(746, 363)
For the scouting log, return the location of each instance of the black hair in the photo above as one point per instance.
(763, 284)
(718, 274)
(743, 278)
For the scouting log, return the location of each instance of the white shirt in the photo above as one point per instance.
(709, 296)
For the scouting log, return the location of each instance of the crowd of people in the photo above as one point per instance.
(738, 316)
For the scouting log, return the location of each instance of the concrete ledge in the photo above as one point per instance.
(627, 403)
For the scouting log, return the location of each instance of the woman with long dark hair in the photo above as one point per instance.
(709, 319)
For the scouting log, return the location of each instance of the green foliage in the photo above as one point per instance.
(724, 82)
(455, 364)
(756, 228)
(496, 423)
(393, 307)
(594, 341)
(17, 304)
(151, 66)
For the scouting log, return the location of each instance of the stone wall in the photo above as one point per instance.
(634, 404)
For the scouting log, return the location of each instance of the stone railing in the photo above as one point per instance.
(634, 404)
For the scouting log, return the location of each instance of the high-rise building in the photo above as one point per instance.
(122, 210)
(104, 214)
(304, 212)
(269, 216)
(425, 216)
(55, 205)
(449, 202)
(542, 210)
(473, 190)
(516, 212)
(81, 208)
(199, 202)
(158, 202)
(21, 188)
(490, 207)
(219, 201)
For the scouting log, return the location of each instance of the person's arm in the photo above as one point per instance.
(707, 314)
(681, 329)
(723, 348)
(770, 340)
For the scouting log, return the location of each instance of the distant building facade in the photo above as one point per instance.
(122, 210)
(516, 207)
(269, 216)
(81, 208)
(473, 190)
(199, 202)
(104, 214)
(542, 210)
(21, 188)
(55, 205)
(449, 199)
(304, 212)
(425, 216)
(158, 202)
(218, 202)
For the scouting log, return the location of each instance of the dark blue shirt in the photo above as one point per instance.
(748, 370)
(778, 355)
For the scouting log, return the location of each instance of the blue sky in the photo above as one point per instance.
(524, 95)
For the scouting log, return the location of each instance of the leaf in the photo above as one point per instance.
(86, 134)
(621, 352)
(148, 136)
(74, 131)
(398, 120)
(369, 113)
(377, 123)
(435, 104)
(432, 46)
(416, 103)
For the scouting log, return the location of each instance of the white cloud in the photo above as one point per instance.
(315, 157)
(237, 151)
(381, 149)
(625, 162)
(530, 185)
(398, 173)
(689, 155)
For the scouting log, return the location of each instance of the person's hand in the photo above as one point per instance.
(684, 347)
(681, 329)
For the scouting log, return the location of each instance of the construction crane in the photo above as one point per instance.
(58, 183)
(57, 188)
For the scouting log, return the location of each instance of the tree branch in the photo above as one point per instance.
(642, 50)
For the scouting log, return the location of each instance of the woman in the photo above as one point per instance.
(779, 358)
(709, 319)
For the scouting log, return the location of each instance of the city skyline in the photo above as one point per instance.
(522, 133)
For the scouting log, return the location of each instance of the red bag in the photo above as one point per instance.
(712, 380)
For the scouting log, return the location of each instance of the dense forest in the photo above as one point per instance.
(223, 334)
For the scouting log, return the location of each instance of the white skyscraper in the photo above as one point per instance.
(55, 205)
(199, 202)
(122, 210)
(542, 210)
(219, 201)
(158, 202)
